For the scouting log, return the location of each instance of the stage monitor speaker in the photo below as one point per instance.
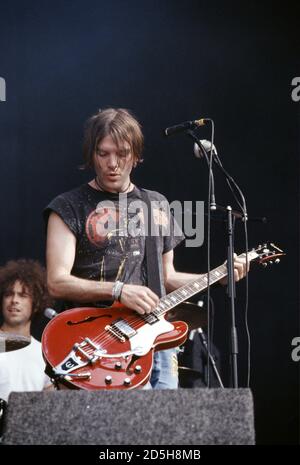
(146, 417)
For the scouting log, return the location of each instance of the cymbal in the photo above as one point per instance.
(10, 341)
(193, 315)
(187, 371)
(188, 377)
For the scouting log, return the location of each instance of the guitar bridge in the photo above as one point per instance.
(79, 357)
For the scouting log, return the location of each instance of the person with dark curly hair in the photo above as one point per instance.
(23, 295)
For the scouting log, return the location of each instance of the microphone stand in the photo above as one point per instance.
(211, 358)
(230, 257)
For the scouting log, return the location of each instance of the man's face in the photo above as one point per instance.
(113, 165)
(16, 305)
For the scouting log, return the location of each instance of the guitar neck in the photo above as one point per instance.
(199, 284)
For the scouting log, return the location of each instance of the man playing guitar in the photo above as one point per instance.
(92, 257)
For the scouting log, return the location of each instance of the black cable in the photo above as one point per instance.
(209, 207)
(246, 311)
(210, 203)
(210, 178)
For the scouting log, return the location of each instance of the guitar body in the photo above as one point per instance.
(106, 348)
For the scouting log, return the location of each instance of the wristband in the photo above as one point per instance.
(117, 290)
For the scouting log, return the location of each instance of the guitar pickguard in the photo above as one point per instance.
(143, 341)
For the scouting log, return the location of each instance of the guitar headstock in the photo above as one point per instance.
(267, 253)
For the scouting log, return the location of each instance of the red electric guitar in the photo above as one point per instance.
(112, 348)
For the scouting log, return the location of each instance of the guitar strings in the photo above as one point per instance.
(103, 337)
(133, 320)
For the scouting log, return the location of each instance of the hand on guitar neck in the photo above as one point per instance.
(239, 269)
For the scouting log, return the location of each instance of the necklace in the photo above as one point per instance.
(121, 192)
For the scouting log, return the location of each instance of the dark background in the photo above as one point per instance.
(168, 61)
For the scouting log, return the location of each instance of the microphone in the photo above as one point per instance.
(206, 146)
(201, 149)
(50, 313)
(185, 126)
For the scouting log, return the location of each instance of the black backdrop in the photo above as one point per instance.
(168, 61)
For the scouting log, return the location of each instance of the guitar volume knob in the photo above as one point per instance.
(108, 379)
(138, 369)
(127, 382)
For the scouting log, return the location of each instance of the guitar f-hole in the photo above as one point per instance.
(87, 320)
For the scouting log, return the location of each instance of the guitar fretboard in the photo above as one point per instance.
(178, 296)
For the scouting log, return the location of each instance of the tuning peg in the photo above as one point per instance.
(277, 261)
(265, 265)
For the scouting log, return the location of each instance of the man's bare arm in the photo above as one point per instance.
(174, 279)
(60, 254)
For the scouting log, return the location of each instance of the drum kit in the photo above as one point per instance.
(194, 315)
(9, 342)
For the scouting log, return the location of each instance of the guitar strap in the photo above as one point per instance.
(151, 252)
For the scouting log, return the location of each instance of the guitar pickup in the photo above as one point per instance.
(121, 326)
(151, 318)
